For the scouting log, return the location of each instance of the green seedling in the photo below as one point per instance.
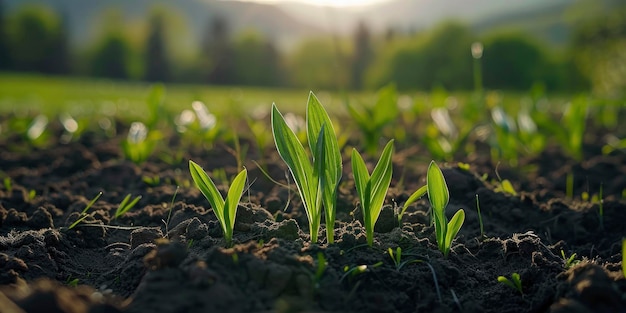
(569, 262)
(225, 209)
(71, 282)
(414, 197)
(480, 218)
(463, 166)
(140, 143)
(515, 282)
(322, 264)
(84, 212)
(169, 213)
(372, 189)
(601, 206)
(125, 206)
(152, 181)
(574, 121)
(316, 180)
(438, 196)
(396, 257)
(372, 121)
(31, 194)
(8, 186)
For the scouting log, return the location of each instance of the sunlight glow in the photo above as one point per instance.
(332, 3)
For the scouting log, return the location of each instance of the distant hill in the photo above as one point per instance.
(287, 22)
(83, 16)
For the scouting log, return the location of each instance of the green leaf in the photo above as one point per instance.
(292, 152)
(414, 197)
(318, 120)
(235, 192)
(438, 197)
(361, 177)
(453, 228)
(507, 187)
(208, 189)
(380, 180)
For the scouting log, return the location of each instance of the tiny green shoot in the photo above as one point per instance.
(8, 186)
(125, 206)
(569, 262)
(225, 209)
(601, 207)
(480, 218)
(372, 189)
(438, 196)
(515, 282)
(396, 257)
(414, 197)
(322, 264)
(84, 212)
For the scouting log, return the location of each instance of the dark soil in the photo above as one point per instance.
(140, 263)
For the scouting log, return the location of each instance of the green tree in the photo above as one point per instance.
(218, 50)
(597, 47)
(157, 63)
(516, 61)
(112, 54)
(36, 40)
(257, 62)
(5, 60)
(437, 58)
(362, 55)
(313, 64)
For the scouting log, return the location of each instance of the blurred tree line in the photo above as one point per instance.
(36, 39)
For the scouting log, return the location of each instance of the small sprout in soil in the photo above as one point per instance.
(169, 213)
(31, 194)
(8, 186)
(225, 209)
(139, 143)
(515, 282)
(438, 196)
(189, 244)
(71, 282)
(569, 262)
(125, 206)
(316, 181)
(322, 264)
(414, 197)
(480, 218)
(84, 212)
(397, 258)
(151, 181)
(372, 189)
(464, 166)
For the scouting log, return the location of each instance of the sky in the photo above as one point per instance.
(335, 3)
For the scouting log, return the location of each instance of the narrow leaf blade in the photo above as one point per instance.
(208, 189)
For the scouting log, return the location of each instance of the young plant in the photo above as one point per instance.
(569, 262)
(515, 282)
(480, 219)
(372, 121)
(225, 209)
(372, 189)
(414, 197)
(125, 206)
(84, 212)
(317, 181)
(140, 143)
(438, 196)
(396, 256)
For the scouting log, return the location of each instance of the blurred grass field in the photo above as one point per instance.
(50, 95)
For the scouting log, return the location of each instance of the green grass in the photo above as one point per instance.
(84, 96)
